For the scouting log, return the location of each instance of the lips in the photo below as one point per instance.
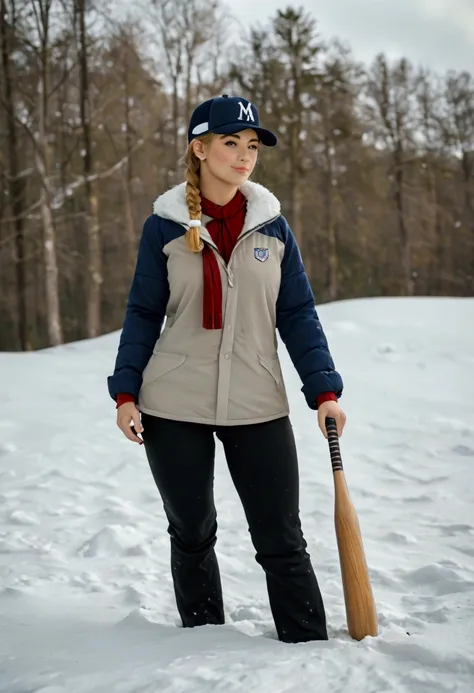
(240, 169)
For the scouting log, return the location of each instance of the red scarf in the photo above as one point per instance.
(224, 228)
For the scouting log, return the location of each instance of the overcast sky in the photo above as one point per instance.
(433, 33)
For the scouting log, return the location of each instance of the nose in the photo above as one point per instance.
(244, 154)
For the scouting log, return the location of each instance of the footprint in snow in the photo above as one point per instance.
(437, 579)
(452, 530)
(19, 517)
(400, 538)
(463, 451)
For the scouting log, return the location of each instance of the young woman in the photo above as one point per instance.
(218, 259)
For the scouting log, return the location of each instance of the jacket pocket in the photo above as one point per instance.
(160, 364)
(272, 365)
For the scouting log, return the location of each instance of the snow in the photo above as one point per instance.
(86, 600)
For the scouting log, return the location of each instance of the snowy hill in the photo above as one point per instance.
(86, 601)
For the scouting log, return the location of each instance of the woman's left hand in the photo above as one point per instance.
(332, 410)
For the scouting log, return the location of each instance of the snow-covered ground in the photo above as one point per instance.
(86, 601)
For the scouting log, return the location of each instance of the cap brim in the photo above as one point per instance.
(267, 138)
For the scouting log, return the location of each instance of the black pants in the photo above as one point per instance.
(263, 464)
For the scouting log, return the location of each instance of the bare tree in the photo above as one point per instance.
(459, 136)
(199, 25)
(17, 192)
(296, 40)
(337, 129)
(124, 53)
(92, 202)
(168, 19)
(42, 13)
(392, 93)
(186, 27)
(431, 173)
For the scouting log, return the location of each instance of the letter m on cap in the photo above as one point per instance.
(246, 110)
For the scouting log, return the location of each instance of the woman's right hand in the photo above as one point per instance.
(128, 414)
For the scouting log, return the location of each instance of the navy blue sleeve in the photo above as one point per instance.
(300, 327)
(146, 309)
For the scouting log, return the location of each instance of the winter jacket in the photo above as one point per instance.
(230, 376)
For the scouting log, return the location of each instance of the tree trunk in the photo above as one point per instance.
(405, 245)
(40, 315)
(175, 125)
(295, 161)
(95, 268)
(295, 192)
(295, 203)
(468, 222)
(55, 333)
(330, 225)
(16, 185)
(95, 278)
(54, 325)
(188, 94)
(127, 175)
(434, 278)
(129, 224)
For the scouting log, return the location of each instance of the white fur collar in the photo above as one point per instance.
(262, 205)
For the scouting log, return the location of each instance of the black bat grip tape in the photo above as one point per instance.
(334, 448)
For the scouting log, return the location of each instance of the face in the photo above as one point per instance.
(229, 158)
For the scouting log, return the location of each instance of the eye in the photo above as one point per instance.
(230, 142)
(253, 146)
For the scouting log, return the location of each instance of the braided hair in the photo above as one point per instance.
(193, 195)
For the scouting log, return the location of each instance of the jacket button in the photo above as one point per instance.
(227, 356)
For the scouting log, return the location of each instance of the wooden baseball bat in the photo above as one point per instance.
(359, 600)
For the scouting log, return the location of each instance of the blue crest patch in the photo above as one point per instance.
(261, 254)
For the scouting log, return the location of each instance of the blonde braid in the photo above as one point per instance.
(193, 195)
(193, 200)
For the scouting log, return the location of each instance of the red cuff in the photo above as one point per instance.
(326, 397)
(123, 397)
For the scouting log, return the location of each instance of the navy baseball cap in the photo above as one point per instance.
(226, 115)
